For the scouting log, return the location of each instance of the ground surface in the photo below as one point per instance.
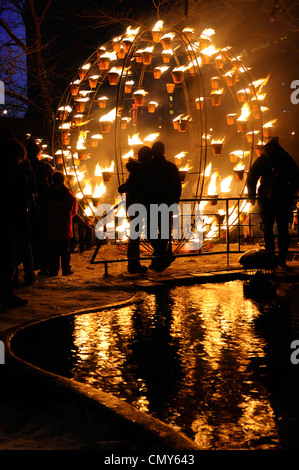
(26, 424)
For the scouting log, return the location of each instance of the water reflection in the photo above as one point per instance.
(188, 356)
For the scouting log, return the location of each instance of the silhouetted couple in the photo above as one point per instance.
(153, 181)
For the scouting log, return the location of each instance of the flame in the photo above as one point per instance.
(82, 100)
(99, 190)
(181, 68)
(259, 97)
(217, 92)
(185, 168)
(134, 140)
(207, 33)
(178, 118)
(148, 49)
(130, 82)
(109, 117)
(117, 70)
(86, 66)
(239, 153)
(132, 32)
(153, 103)
(225, 184)
(208, 170)
(245, 112)
(180, 155)
(109, 55)
(210, 50)
(270, 123)
(117, 39)
(140, 92)
(239, 167)
(259, 84)
(84, 93)
(151, 137)
(195, 63)
(98, 170)
(212, 188)
(81, 140)
(162, 68)
(110, 168)
(158, 26)
(167, 52)
(103, 98)
(168, 35)
(87, 191)
(188, 30)
(65, 108)
(89, 211)
(220, 141)
(129, 154)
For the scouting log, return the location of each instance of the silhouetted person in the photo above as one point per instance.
(60, 206)
(13, 186)
(137, 192)
(166, 189)
(279, 181)
(43, 173)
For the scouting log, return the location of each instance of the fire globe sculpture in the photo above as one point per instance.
(178, 86)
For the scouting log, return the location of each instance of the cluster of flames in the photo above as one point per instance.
(200, 51)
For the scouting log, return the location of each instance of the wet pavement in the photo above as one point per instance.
(235, 363)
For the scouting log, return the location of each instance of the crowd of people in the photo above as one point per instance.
(38, 210)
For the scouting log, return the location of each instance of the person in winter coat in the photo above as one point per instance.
(166, 189)
(13, 185)
(137, 192)
(44, 174)
(279, 182)
(60, 206)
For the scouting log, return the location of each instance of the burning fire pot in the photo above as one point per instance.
(107, 176)
(216, 147)
(239, 172)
